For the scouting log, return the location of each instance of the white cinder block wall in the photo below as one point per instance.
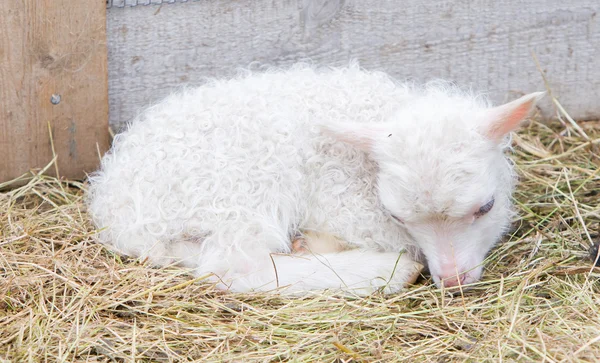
(485, 44)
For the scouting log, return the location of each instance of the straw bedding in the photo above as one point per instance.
(65, 298)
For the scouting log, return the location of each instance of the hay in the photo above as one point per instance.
(65, 298)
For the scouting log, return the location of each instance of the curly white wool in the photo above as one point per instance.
(220, 176)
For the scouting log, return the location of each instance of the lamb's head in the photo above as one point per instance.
(443, 176)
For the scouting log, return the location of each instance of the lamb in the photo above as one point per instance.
(221, 178)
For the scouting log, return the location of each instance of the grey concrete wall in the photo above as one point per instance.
(485, 44)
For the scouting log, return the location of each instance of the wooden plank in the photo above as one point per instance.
(486, 44)
(53, 69)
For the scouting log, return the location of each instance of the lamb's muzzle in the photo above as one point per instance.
(220, 178)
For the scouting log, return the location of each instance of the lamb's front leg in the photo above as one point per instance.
(357, 271)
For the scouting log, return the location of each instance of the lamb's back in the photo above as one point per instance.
(204, 153)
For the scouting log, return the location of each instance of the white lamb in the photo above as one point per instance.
(221, 178)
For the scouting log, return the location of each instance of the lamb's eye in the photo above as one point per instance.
(485, 209)
(398, 219)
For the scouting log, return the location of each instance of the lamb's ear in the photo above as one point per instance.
(506, 118)
(360, 135)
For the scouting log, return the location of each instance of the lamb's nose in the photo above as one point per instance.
(452, 280)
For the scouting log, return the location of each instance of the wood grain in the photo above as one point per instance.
(485, 44)
(52, 49)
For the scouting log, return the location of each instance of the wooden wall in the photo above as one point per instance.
(487, 44)
(53, 76)
(53, 57)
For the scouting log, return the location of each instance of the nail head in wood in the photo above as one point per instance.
(55, 99)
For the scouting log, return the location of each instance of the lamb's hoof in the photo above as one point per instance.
(299, 245)
(414, 276)
(311, 242)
